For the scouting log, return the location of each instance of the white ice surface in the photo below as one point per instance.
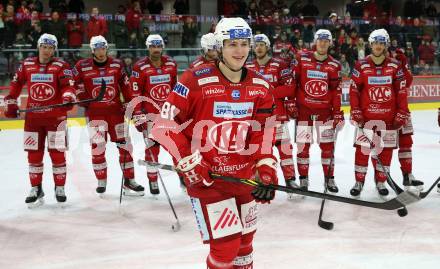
(93, 233)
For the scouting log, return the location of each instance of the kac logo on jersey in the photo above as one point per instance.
(235, 94)
(109, 95)
(181, 90)
(160, 92)
(42, 78)
(316, 88)
(232, 110)
(380, 94)
(316, 74)
(229, 136)
(160, 79)
(379, 80)
(203, 71)
(108, 80)
(41, 92)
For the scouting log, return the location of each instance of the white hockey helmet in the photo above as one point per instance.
(207, 42)
(97, 42)
(155, 40)
(47, 39)
(231, 28)
(379, 35)
(323, 34)
(262, 38)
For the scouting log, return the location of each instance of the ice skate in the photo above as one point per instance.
(132, 188)
(331, 184)
(409, 182)
(357, 189)
(35, 197)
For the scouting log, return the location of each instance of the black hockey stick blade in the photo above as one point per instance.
(98, 98)
(424, 194)
(401, 200)
(327, 225)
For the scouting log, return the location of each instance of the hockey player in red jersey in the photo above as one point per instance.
(278, 73)
(283, 49)
(48, 81)
(219, 118)
(106, 118)
(209, 53)
(379, 107)
(406, 132)
(152, 77)
(318, 98)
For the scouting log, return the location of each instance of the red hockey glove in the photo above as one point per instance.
(400, 119)
(357, 117)
(338, 120)
(69, 97)
(140, 122)
(11, 107)
(267, 174)
(195, 170)
(438, 118)
(291, 108)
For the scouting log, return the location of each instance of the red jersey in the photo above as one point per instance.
(279, 74)
(88, 78)
(199, 61)
(318, 82)
(45, 84)
(225, 121)
(378, 90)
(155, 83)
(283, 50)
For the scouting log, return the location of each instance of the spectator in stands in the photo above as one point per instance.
(75, 32)
(431, 10)
(296, 8)
(371, 6)
(310, 10)
(26, 26)
(424, 69)
(308, 35)
(361, 49)
(145, 33)
(267, 5)
(181, 7)
(128, 64)
(155, 6)
(409, 52)
(354, 8)
(334, 26)
(96, 25)
(253, 9)
(190, 32)
(350, 51)
(414, 35)
(295, 37)
(23, 13)
(76, 6)
(426, 52)
(35, 33)
(36, 5)
(133, 19)
(241, 9)
(57, 27)
(58, 5)
(119, 30)
(397, 30)
(10, 27)
(345, 67)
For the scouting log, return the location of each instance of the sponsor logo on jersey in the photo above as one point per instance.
(254, 92)
(233, 110)
(160, 79)
(229, 168)
(181, 90)
(115, 65)
(380, 94)
(213, 90)
(229, 136)
(261, 82)
(41, 92)
(285, 72)
(67, 72)
(269, 77)
(316, 74)
(135, 74)
(399, 73)
(203, 71)
(108, 80)
(41, 77)
(75, 71)
(28, 63)
(379, 80)
(235, 94)
(160, 92)
(316, 88)
(85, 69)
(207, 80)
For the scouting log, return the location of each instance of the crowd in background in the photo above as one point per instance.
(416, 31)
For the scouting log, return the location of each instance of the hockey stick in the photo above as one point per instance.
(122, 178)
(98, 98)
(424, 194)
(176, 226)
(403, 199)
(402, 212)
(327, 225)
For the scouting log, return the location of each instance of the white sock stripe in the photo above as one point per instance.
(405, 155)
(302, 161)
(360, 169)
(59, 169)
(326, 161)
(286, 162)
(99, 166)
(382, 169)
(243, 260)
(127, 165)
(36, 169)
